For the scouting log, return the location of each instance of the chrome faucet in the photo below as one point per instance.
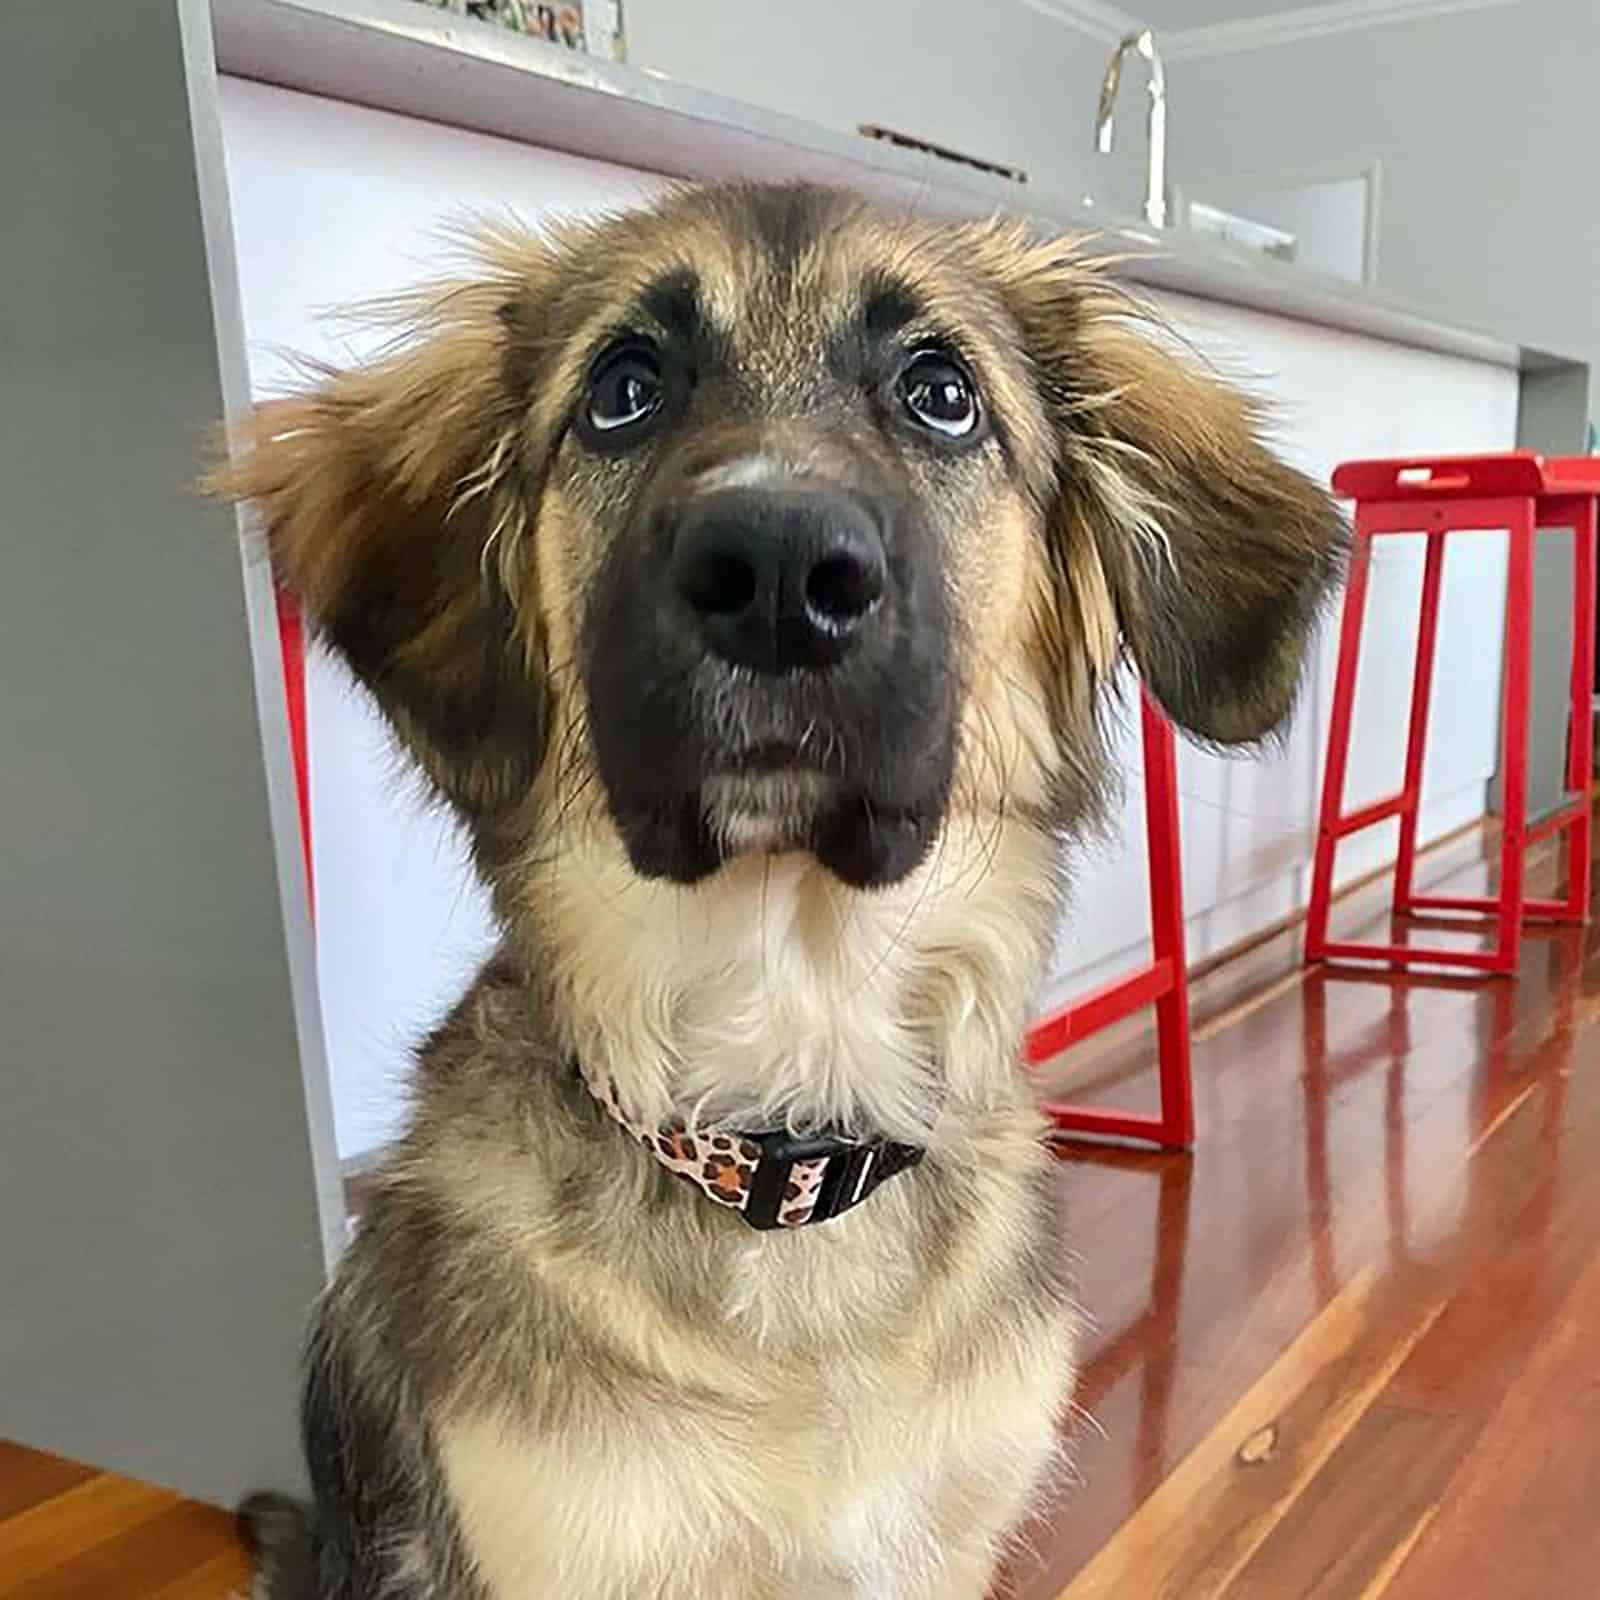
(1142, 43)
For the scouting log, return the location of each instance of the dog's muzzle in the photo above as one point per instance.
(769, 668)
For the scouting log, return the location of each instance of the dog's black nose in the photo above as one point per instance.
(779, 579)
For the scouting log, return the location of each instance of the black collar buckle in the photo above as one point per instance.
(854, 1169)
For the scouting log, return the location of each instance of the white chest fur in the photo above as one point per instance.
(694, 1500)
(771, 991)
(886, 1542)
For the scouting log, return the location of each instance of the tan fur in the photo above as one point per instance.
(572, 1376)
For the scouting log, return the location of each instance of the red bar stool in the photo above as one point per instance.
(1432, 497)
(1163, 983)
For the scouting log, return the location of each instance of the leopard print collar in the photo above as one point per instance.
(774, 1180)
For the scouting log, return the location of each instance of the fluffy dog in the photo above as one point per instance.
(746, 573)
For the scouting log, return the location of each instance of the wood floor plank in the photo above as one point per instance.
(82, 1517)
(1397, 1557)
(224, 1576)
(142, 1560)
(30, 1476)
(1207, 1520)
(1522, 1516)
(1375, 1496)
(1530, 1217)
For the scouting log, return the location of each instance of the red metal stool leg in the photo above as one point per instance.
(1417, 737)
(1166, 926)
(1580, 751)
(1163, 983)
(1344, 693)
(1514, 735)
(1573, 817)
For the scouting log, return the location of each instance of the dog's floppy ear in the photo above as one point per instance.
(1217, 556)
(384, 490)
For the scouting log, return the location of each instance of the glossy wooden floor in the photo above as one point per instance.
(1348, 1350)
(1351, 1348)
(70, 1533)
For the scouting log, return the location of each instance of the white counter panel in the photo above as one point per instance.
(335, 204)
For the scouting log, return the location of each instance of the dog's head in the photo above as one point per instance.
(779, 524)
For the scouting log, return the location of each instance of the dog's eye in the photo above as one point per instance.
(938, 394)
(625, 390)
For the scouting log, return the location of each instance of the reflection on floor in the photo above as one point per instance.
(1348, 1350)
(1351, 1348)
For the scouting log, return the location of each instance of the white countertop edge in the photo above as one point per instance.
(397, 55)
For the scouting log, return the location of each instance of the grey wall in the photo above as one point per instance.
(1488, 126)
(160, 1237)
(995, 79)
